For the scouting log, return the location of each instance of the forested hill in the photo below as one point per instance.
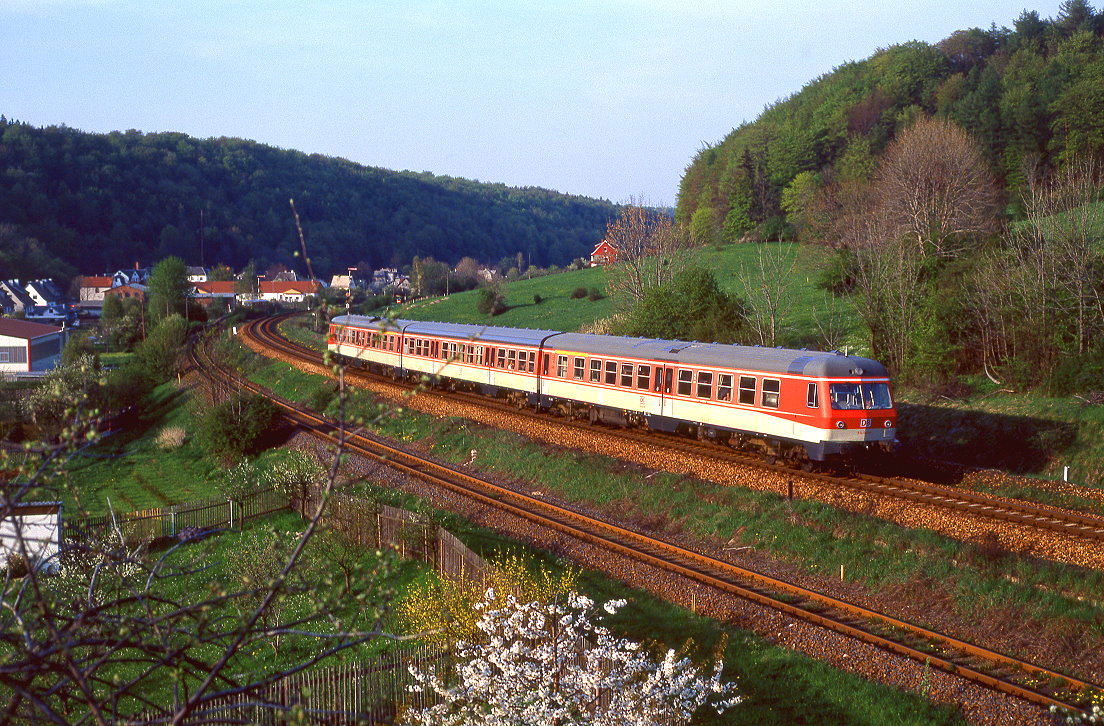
(1031, 95)
(103, 201)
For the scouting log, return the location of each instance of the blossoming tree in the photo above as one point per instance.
(552, 664)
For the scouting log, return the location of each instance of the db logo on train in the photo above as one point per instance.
(864, 423)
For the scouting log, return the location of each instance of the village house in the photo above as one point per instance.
(27, 347)
(44, 293)
(196, 274)
(206, 293)
(604, 254)
(92, 289)
(134, 290)
(345, 282)
(139, 275)
(289, 291)
(20, 302)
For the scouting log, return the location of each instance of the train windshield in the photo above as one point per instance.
(851, 396)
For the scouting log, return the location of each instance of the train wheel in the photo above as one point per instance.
(592, 417)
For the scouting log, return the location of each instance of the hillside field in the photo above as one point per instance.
(731, 265)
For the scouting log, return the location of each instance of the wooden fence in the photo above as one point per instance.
(371, 692)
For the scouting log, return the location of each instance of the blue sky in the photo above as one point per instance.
(606, 99)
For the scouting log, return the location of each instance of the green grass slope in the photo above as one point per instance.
(736, 268)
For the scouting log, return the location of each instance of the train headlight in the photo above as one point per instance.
(840, 425)
(889, 423)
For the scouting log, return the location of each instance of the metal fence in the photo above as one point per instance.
(151, 524)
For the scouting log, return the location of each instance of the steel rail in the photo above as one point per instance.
(953, 655)
(1035, 516)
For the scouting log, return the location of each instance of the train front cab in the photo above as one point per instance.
(860, 420)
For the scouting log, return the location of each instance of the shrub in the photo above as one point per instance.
(237, 427)
(159, 353)
(171, 437)
(578, 293)
(490, 301)
(537, 299)
(594, 294)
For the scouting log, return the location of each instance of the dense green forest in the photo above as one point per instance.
(98, 202)
(1032, 96)
(961, 187)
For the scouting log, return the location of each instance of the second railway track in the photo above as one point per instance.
(992, 669)
(1046, 520)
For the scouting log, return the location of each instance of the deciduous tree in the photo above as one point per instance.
(933, 187)
(552, 664)
(651, 251)
(168, 289)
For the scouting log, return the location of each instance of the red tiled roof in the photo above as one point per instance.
(216, 287)
(305, 287)
(25, 329)
(96, 281)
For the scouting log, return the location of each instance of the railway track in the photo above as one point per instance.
(998, 671)
(1044, 519)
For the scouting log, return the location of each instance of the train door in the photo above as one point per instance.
(662, 386)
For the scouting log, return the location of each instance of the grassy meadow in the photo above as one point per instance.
(736, 268)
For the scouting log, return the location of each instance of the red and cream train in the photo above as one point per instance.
(797, 405)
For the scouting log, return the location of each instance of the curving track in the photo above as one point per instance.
(980, 665)
(1045, 520)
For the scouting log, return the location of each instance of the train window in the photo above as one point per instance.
(524, 356)
(685, 382)
(511, 358)
(845, 396)
(724, 387)
(667, 380)
(770, 392)
(658, 379)
(595, 370)
(501, 358)
(812, 398)
(705, 384)
(532, 361)
(611, 373)
(747, 390)
(408, 346)
(626, 374)
(643, 376)
(436, 349)
(561, 366)
(579, 368)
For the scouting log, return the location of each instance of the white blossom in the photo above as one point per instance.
(544, 664)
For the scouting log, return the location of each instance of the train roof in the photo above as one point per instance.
(460, 331)
(748, 357)
(769, 360)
